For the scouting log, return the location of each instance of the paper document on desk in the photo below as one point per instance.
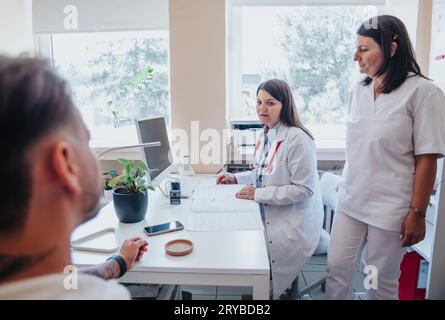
(225, 221)
(215, 208)
(220, 198)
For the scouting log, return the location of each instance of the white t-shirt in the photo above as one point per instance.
(52, 287)
(383, 137)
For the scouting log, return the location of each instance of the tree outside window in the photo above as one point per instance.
(99, 66)
(310, 47)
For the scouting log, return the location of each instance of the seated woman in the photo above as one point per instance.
(284, 182)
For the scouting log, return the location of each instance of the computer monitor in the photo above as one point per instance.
(158, 159)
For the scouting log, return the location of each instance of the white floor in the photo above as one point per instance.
(312, 271)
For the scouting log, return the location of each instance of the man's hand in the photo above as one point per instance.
(226, 178)
(248, 192)
(132, 250)
(413, 229)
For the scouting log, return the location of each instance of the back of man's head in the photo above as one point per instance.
(33, 103)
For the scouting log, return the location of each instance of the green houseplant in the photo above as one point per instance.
(130, 191)
(136, 83)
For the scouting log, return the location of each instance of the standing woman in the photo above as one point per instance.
(284, 182)
(395, 133)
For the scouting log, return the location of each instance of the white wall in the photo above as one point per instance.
(423, 42)
(197, 67)
(100, 15)
(437, 67)
(16, 27)
(405, 10)
(416, 15)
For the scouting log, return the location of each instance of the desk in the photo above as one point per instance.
(229, 258)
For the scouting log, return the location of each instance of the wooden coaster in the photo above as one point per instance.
(178, 247)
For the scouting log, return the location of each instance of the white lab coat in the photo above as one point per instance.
(293, 208)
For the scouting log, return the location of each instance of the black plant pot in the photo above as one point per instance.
(130, 207)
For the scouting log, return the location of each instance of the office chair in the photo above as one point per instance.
(329, 196)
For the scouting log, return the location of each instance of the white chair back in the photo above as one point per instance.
(329, 195)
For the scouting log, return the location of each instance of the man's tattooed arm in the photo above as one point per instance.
(131, 251)
(107, 270)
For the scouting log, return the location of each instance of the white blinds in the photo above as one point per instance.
(239, 3)
(62, 16)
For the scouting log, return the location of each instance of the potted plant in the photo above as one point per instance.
(128, 91)
(130, 191)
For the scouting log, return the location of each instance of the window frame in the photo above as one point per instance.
(45, 50)
(327, 149)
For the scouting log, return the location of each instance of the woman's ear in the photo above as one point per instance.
(66, 167)
(393, 48)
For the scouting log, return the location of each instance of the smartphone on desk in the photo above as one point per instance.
(163, 228)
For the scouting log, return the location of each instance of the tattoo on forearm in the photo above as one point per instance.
(107, 270)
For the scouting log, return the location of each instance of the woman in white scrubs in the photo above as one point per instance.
(395, 133)
(284, 182)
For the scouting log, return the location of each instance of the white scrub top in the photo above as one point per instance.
(383, 137)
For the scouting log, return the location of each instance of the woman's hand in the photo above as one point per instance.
(226, 178)
(248, 192)
(413, 229)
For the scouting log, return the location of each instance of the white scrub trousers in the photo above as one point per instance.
(384, 251)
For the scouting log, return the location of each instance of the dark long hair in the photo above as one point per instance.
(280, 91)
(385, 30)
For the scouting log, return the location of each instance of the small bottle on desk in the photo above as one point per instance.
(186, 168)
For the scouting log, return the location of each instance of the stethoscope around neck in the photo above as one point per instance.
(264, 165)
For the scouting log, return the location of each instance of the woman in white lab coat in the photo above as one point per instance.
(395, 133)
(284, 182)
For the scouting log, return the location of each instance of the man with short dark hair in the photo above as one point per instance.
(51, 184)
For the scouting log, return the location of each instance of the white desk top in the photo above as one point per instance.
(240, 252)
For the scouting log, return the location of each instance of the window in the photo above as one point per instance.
(109, 66)
(311, 48)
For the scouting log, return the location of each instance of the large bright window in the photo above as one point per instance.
(109, 74)
(310, 47)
